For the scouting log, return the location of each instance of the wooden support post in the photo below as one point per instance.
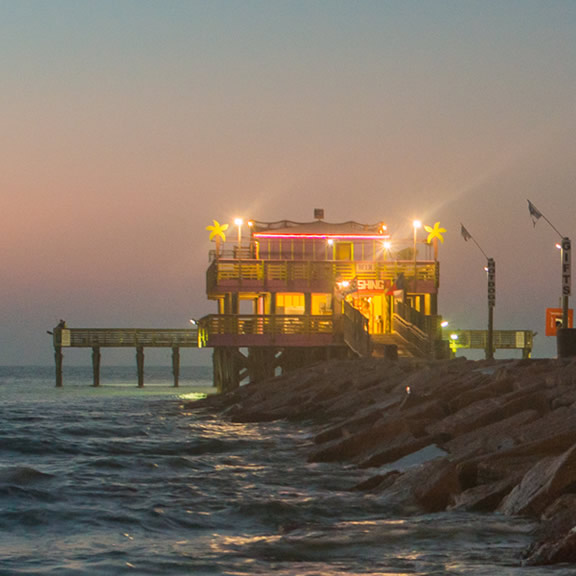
(261, 363)
(176, 365)
(96, 365)
(307, 303)
(58, 357)
(228, 363)
(140, 365)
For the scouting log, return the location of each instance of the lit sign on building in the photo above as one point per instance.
(372, 285)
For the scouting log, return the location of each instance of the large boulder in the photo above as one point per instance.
(430, 487)
(384, 433)
(484, 497)
(559, 551)
(542, 484)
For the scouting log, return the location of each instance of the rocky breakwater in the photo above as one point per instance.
(491, 436)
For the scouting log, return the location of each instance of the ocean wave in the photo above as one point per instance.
(22, 476)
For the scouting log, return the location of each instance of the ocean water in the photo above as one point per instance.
(121, 480)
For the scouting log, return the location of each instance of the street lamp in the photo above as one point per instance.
(490, 268)
(416, 224)
(386, 245)
(239, 222)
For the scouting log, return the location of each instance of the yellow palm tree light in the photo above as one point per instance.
(435, 232)
(217, 231)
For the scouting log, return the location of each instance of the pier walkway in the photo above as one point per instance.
(138, 338)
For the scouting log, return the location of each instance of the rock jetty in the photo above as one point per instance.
(500, 435)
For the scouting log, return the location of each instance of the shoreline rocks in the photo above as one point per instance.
(503, 431)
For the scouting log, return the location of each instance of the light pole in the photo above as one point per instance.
(566, 258)
(416, 224)
(239, 222)
(491, 270)
(566, 279)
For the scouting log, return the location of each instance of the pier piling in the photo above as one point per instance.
(58, 357)
(96, 365)
(140, 365)
(176, 365)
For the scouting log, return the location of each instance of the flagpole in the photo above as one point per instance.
(479, 247)
(565, 258)
(491, 269)
(535, 213)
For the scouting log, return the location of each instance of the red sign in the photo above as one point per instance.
(554, 320)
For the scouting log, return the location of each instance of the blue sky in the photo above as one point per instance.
(129, 125)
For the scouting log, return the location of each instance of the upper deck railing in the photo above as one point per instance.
(262, 273)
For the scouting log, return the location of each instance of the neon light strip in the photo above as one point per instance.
(324, 236)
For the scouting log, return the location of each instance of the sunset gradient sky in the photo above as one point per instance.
(129, 125)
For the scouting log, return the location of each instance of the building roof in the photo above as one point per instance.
(318, 228)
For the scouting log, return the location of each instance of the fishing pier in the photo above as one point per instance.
(137, 338)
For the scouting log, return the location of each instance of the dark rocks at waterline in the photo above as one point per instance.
(491, 436)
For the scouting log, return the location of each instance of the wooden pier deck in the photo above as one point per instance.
(138, 338)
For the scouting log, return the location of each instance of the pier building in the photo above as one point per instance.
(291, 293)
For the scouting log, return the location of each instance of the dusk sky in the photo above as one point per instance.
(129, 125)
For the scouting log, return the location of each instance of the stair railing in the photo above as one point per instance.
(355, 330)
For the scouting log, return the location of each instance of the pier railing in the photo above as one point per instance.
(236, 329)
(502, 339)
(422, 332)
(355, 330)
(126, 337)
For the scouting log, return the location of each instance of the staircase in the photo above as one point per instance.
(382, 344)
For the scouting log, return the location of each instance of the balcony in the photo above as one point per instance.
(252, 275)
(242, 330)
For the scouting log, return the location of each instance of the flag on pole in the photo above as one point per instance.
(465, 234)
(535, 214)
